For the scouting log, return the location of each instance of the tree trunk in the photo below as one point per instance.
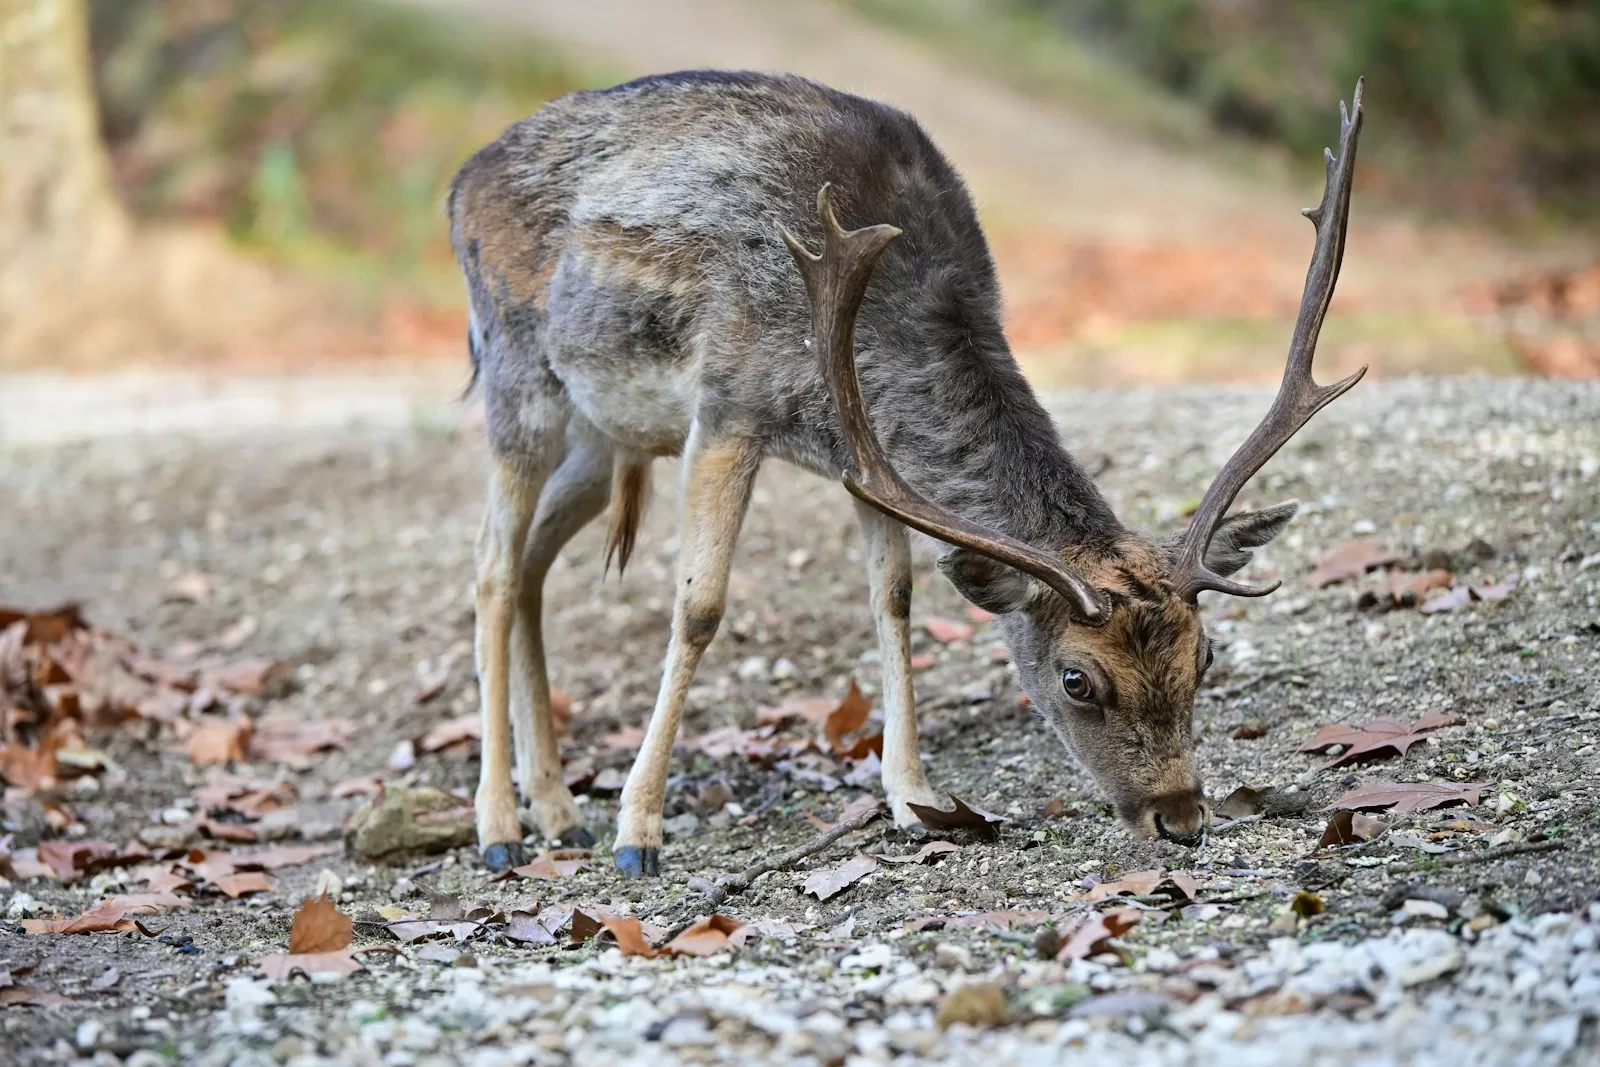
(59, 215)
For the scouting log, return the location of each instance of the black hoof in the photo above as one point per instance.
(635, 861)
(577, 837)
(503, 855)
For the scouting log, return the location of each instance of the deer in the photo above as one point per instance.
(641, 284)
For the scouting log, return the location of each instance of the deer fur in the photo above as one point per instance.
(631, 298)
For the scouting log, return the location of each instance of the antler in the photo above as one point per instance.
(836, 281)
(1299, 396)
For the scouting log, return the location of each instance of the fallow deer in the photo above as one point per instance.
(631, 298)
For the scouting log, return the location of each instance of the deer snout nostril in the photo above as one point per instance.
(1190, 838)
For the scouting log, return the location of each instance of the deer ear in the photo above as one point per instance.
(1231, 544)
(991, 585)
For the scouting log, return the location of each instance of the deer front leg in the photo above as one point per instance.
(574, 495)
(506, 517)
(717, 478)
(889, 577)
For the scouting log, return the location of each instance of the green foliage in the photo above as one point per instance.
(320, 128)
(1497, 101)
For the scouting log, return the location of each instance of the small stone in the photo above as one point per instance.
(277, 824)
(176, 816)
(952, 957)
(752, 668)
(88, 1034)
(784, 670)
(21, 905)
(1424, 909)
(410, 820)
(979, 1004)
(168, 838)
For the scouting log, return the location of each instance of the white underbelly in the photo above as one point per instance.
(649, 412)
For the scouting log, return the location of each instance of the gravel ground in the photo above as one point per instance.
(349, 547)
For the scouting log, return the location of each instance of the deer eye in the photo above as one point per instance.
(1076, 685)
(1209, 657)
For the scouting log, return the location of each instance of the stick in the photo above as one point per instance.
(1487, 856)
(730, 884)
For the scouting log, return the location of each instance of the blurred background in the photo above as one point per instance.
(254, 186)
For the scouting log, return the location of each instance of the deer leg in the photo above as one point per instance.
(889, 578)
(574, 495)
(512, 498)
(717, 478)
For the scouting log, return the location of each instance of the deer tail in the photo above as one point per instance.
(630, 492)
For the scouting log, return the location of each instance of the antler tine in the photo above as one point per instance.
(836, 281)
(1299, 396)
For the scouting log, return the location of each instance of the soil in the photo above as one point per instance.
(350, 547)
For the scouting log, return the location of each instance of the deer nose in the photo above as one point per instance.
(1182, 818)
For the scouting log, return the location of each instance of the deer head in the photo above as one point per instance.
(1106, 636)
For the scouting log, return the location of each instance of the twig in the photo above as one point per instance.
(1487, 856)
(1222, 828)
(730, 884)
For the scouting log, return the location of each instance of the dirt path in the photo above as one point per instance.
(349, 550)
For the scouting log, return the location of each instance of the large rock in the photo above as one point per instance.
(401, 821)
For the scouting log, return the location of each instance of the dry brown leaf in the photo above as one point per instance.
(457, 731)
(250, 677)
(1377, 737)
(850, 715)
(528, 928)
(932, 852)
(1493, 592)
(946, 631)
(830, 882)
(1183, 887)
(707, 937)
(1403, 797)
(1347, 827)
(1447, 600)
(220, 743)
(961, 817)
(429, 684)
(1243, 802)
(1351, 560)
(1408, 588)
(226, 830)
(318, 927)
(113, 913)
(369, 785)
(45, 627)
(69, 859)
(584, 926)
(283, 737)
(194, 588)
(546, 865)
(281, 968)
(29, 996)
(238, 885)
(1092, 936)
(629, 934)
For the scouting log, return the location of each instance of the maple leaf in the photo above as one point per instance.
(961, 817)
(1377, 737)
(707, 937)
(318, 926)
(1403, 797)
(832, 881)
(1351, 560)
(1347, 827)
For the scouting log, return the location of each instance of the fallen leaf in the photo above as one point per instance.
(584, 926)
(1347, 827)
(224, 830)
(367, 785)
(1306, 904)
(929, 853)
(1470, 826)
(29, 996)
(1376, 737)
(283, 737)
(220, 743)
(45, 627)
(707, 937)
(318, 927)
(1250, 730)
(961, 817)
(272, 859)
(238, 885)
(113, 913)
(1351, 560)
(529, 929)
(1243, 802)
(451, 732)
(1493, 592)
(68, 859)
(1403, 797)
(629, 934)
(946, 631)
(1181, 887)
(250, 677)
(1446, 600)
(1092, 936)
(429, 684)
(1407, 588)
(850, 715)
(981, 1004)
(832, 881)
(546, 866)
(923, 660)
(341, 962)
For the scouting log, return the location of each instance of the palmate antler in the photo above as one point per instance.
(1299, 396)
(836, 280)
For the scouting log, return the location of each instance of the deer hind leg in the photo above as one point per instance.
(575, 494)
(889, 578)
(717, 478)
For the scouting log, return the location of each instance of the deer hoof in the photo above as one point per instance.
(503, 855)
(577, 837)
(638, 861)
